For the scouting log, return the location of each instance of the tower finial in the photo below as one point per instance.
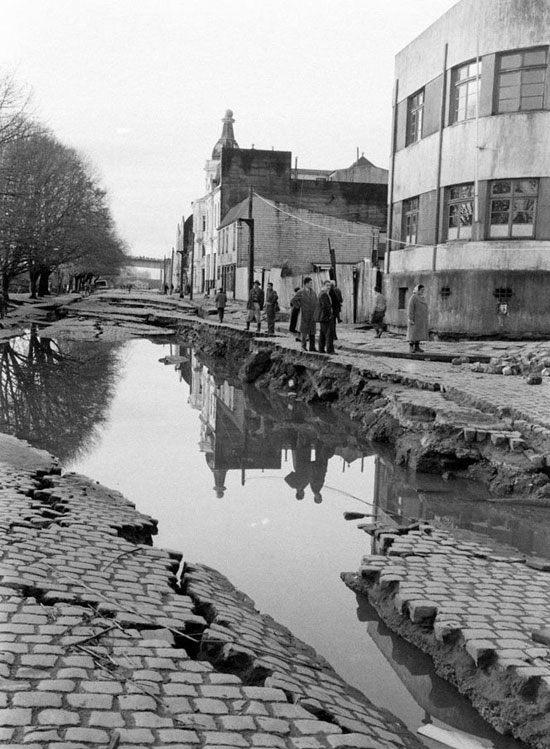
(227, 139)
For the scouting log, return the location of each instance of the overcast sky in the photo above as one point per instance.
(140, 87)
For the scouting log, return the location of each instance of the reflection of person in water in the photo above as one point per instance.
(319, 470)
(307, 471)
(298, 479)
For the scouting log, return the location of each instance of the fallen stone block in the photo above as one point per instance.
(542, 635)
(480, 650)
(422, 610)
(538, 563)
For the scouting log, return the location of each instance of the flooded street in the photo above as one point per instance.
(256, 488)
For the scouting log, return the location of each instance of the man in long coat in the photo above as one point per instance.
(337, 302)
(417, 319)
(306, 298)
(271, 307)
(325, 317)
(255, 305)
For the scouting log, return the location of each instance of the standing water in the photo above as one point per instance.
(255, 487)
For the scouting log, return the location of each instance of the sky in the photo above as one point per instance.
(139, 87)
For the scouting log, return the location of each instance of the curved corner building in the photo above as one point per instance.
(469, 193)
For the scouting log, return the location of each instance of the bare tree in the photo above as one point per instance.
(15, 115)
(54, 212)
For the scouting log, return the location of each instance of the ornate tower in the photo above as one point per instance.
(227, 138)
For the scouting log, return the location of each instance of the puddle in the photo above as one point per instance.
(255, 487)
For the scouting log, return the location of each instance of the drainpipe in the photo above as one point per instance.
(476, 155)
(392, 169)
(439, 159)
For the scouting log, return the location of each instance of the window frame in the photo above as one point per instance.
(511, 196)
(461, 200)
(458, 83)
(500, 71)
(411, 208)
(415, 117)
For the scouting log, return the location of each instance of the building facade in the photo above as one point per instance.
(207, 213)
(469, 189)
(288, 241)
(356, 194)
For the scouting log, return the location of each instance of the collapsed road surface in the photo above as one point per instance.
(107, 641)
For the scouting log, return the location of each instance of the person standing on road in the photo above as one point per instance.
(325, 316)
(271, 308)
(336, 301)
(378, 313)
(308, 308)
(221, 301)
(417, 317)
(294, 312)
(255, 306)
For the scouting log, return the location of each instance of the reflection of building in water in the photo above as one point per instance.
(243, 429)
(229, 438)
(459, 506)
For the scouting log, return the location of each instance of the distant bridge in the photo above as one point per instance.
(140, 261)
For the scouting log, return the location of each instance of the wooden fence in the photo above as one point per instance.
(355, 281)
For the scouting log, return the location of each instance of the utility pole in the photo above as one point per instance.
(172, 272)
(192, 269)
(332, 260)
(250, 222)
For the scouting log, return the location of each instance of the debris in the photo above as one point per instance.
(449, 738)
(355, 515)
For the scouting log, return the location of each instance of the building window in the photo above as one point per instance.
(401, 304)
(513, 206)
(464, 91)
(410, 220)
(415, 113)
(521, 80)
(445, 292)
(460, 211)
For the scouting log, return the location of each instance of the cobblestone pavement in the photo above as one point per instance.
(493, 608)
(107, 641)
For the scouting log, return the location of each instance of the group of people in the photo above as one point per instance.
(306, 306)
(309, 308)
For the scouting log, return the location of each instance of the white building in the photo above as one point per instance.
(469, 190)
(207, 214)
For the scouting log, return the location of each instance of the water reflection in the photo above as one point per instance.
(242, 429)
(56, 394)
(437, 698)
(463, 508)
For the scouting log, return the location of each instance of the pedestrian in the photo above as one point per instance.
(299, 478)
(417, 327)
(337, 301)
(378, 314)
(325, 317)
(271, 308)
(294, 312)
(255, 306)
(221, 301)
(308, 308)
